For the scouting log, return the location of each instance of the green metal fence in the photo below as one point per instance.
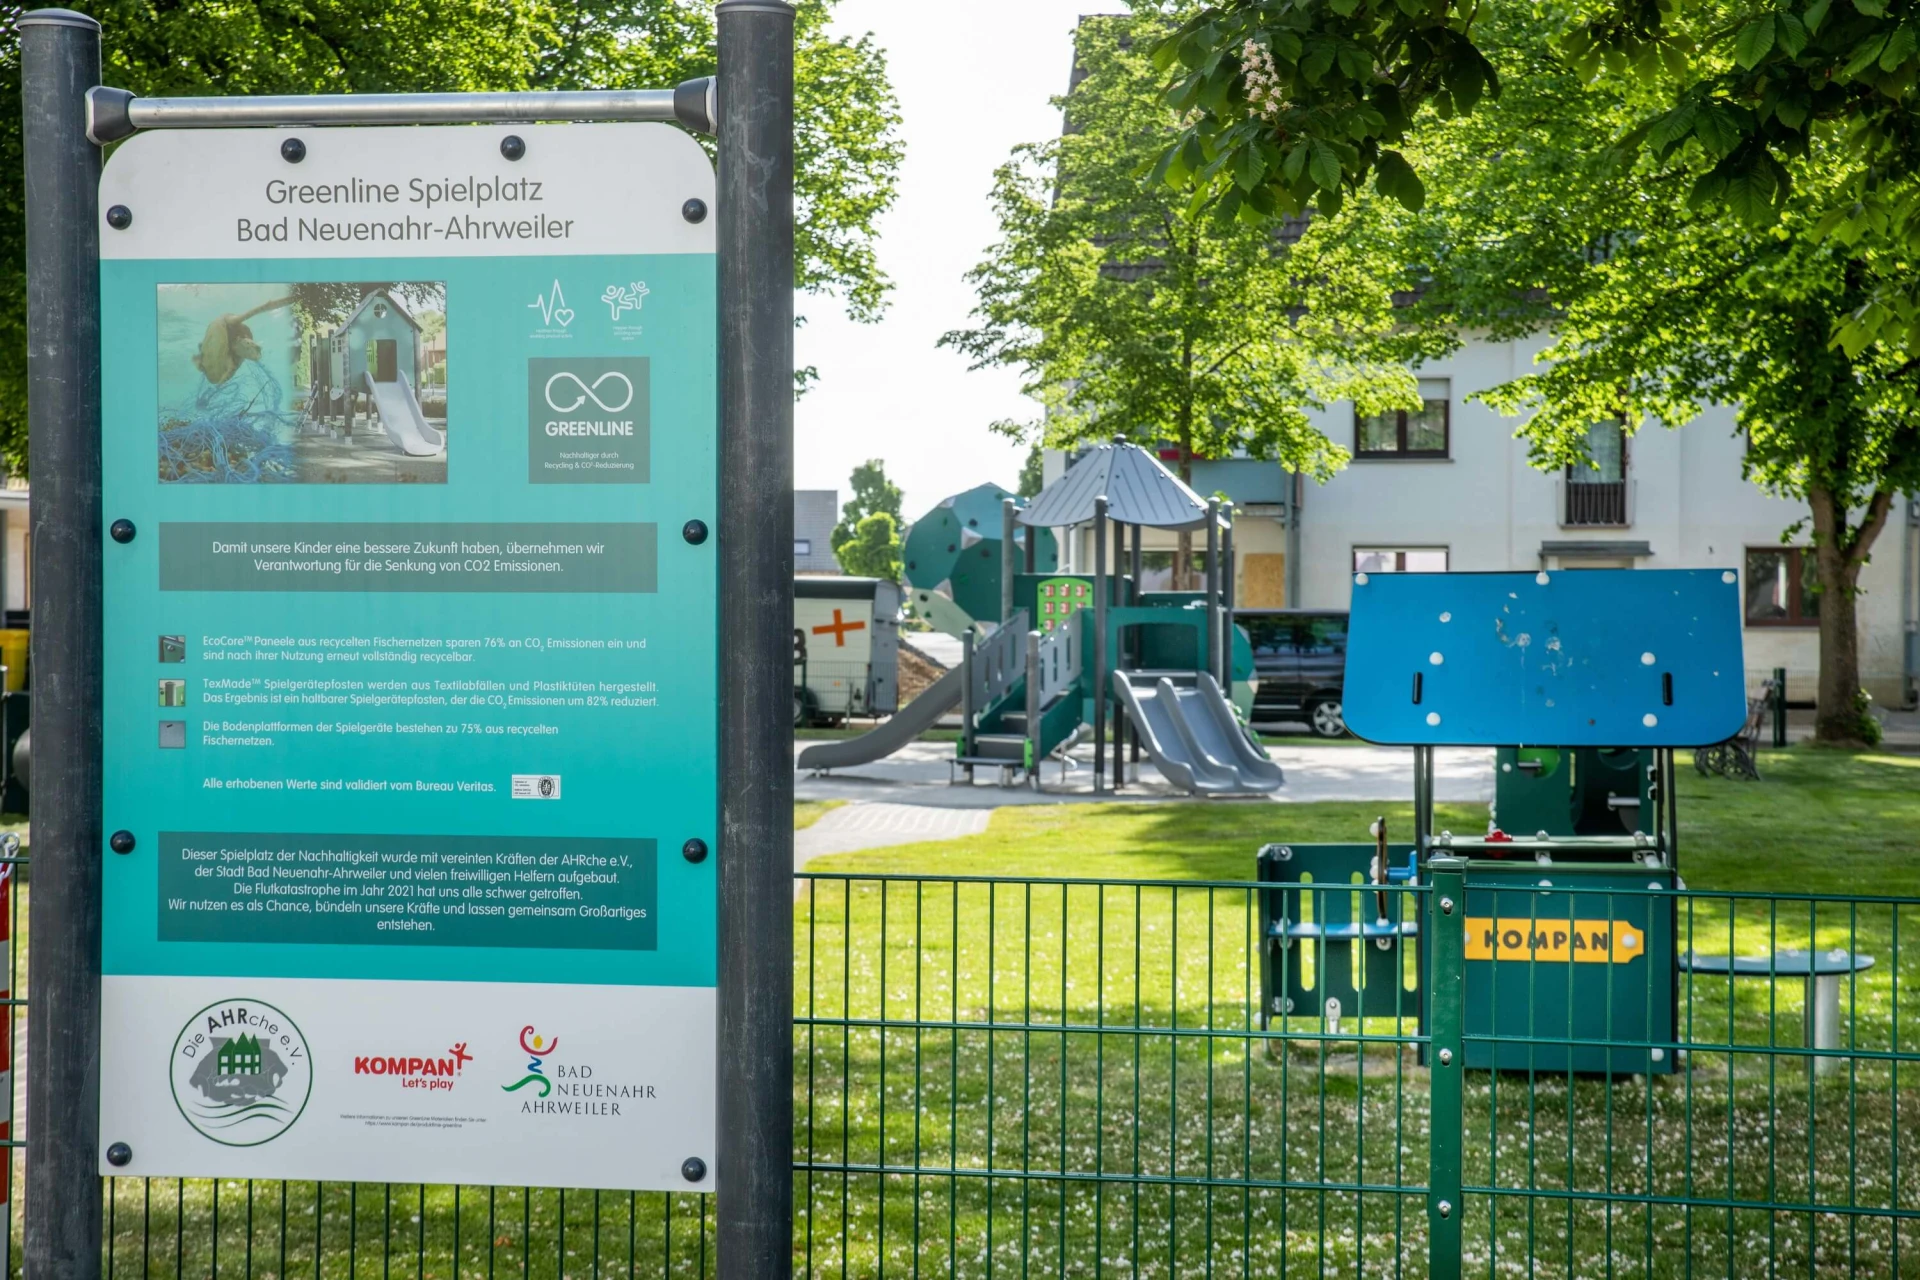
(1027, 1077)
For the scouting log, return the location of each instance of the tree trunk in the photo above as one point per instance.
(1839, 552)
(1837, 721)
(1183, 575)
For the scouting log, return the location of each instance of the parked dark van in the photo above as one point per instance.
(1300, 660)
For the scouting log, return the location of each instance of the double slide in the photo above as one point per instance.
(400, 415)
(1188, 727)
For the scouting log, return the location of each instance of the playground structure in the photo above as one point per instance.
(1571, 958)
(1066, 653)
(370, 366)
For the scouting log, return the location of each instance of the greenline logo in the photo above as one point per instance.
(536, 1048)
(242, 1073)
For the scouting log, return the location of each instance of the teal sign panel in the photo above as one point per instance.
(410, 699)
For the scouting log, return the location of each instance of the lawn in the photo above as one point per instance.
(1100, 1048)
(1821, 822)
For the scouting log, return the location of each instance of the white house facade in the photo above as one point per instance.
(1449, 487)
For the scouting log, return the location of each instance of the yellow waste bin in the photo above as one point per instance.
(13, 652)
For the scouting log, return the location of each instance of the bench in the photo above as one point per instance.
(1821, 971)
(1734, 758)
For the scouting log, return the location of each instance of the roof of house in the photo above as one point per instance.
(386, 297)
(1137, 488)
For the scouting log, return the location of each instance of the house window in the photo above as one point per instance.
(1399, 559)
(1782, 590)
(1597, 490)
(1408, 433)
(803, 546)
(1607, 447)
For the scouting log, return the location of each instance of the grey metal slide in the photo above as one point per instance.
(902, 727)
(1191, 733)
(400, 415)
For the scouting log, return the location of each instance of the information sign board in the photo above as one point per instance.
(411, 671)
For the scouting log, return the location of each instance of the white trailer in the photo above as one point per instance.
(846, 635)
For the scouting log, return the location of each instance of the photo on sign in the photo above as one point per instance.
(309, 383)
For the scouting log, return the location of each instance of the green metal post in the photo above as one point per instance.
(1447, 1059)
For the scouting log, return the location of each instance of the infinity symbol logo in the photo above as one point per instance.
(587, 393)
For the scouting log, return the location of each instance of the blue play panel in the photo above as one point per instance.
(1595, 657)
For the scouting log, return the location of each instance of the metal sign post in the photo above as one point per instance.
(384, 374)
(755, 1209)
(59, 63)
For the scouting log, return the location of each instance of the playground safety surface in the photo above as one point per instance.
(917, 775)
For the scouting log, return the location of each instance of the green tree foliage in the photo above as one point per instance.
(847, 144)
(1292, 101)
(1135, 314)
(1660, 304)
(873, 494)
(1033, 472)
(873, 549)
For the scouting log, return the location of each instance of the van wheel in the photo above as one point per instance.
(1327, 719)
(799, 712)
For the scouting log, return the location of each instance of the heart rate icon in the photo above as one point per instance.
(553, 307)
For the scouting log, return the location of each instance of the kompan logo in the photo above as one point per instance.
(581, 391)
(241, 1072)
(437, 1072)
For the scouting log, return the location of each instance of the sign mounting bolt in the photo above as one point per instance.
(119, 217)
(513, 146)
(693, 1169)
(694, 850)
(1446, 1057)
(694, 210)
(119, 1155)
(293, 151)
(694, 531)
(121, 531)
(1446, 1208)
(121, 842)
(1446, 906)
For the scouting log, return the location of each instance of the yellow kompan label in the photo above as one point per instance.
(1590, 941)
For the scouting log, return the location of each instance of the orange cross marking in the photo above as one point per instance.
(839, 628)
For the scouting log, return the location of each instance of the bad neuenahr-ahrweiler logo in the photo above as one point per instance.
(241, 1072)
(566, 1086)
(587, 420)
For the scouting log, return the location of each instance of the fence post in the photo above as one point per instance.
(753, 1219)
(1446, 1062)
(59, 62)
(1779, 707)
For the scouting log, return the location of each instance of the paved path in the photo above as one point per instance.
(873, 826)
(917, 776)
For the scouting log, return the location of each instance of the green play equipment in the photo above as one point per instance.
(1571, 959)
(953, 558)
(1580, 791)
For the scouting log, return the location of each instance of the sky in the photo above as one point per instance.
(974, 80)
